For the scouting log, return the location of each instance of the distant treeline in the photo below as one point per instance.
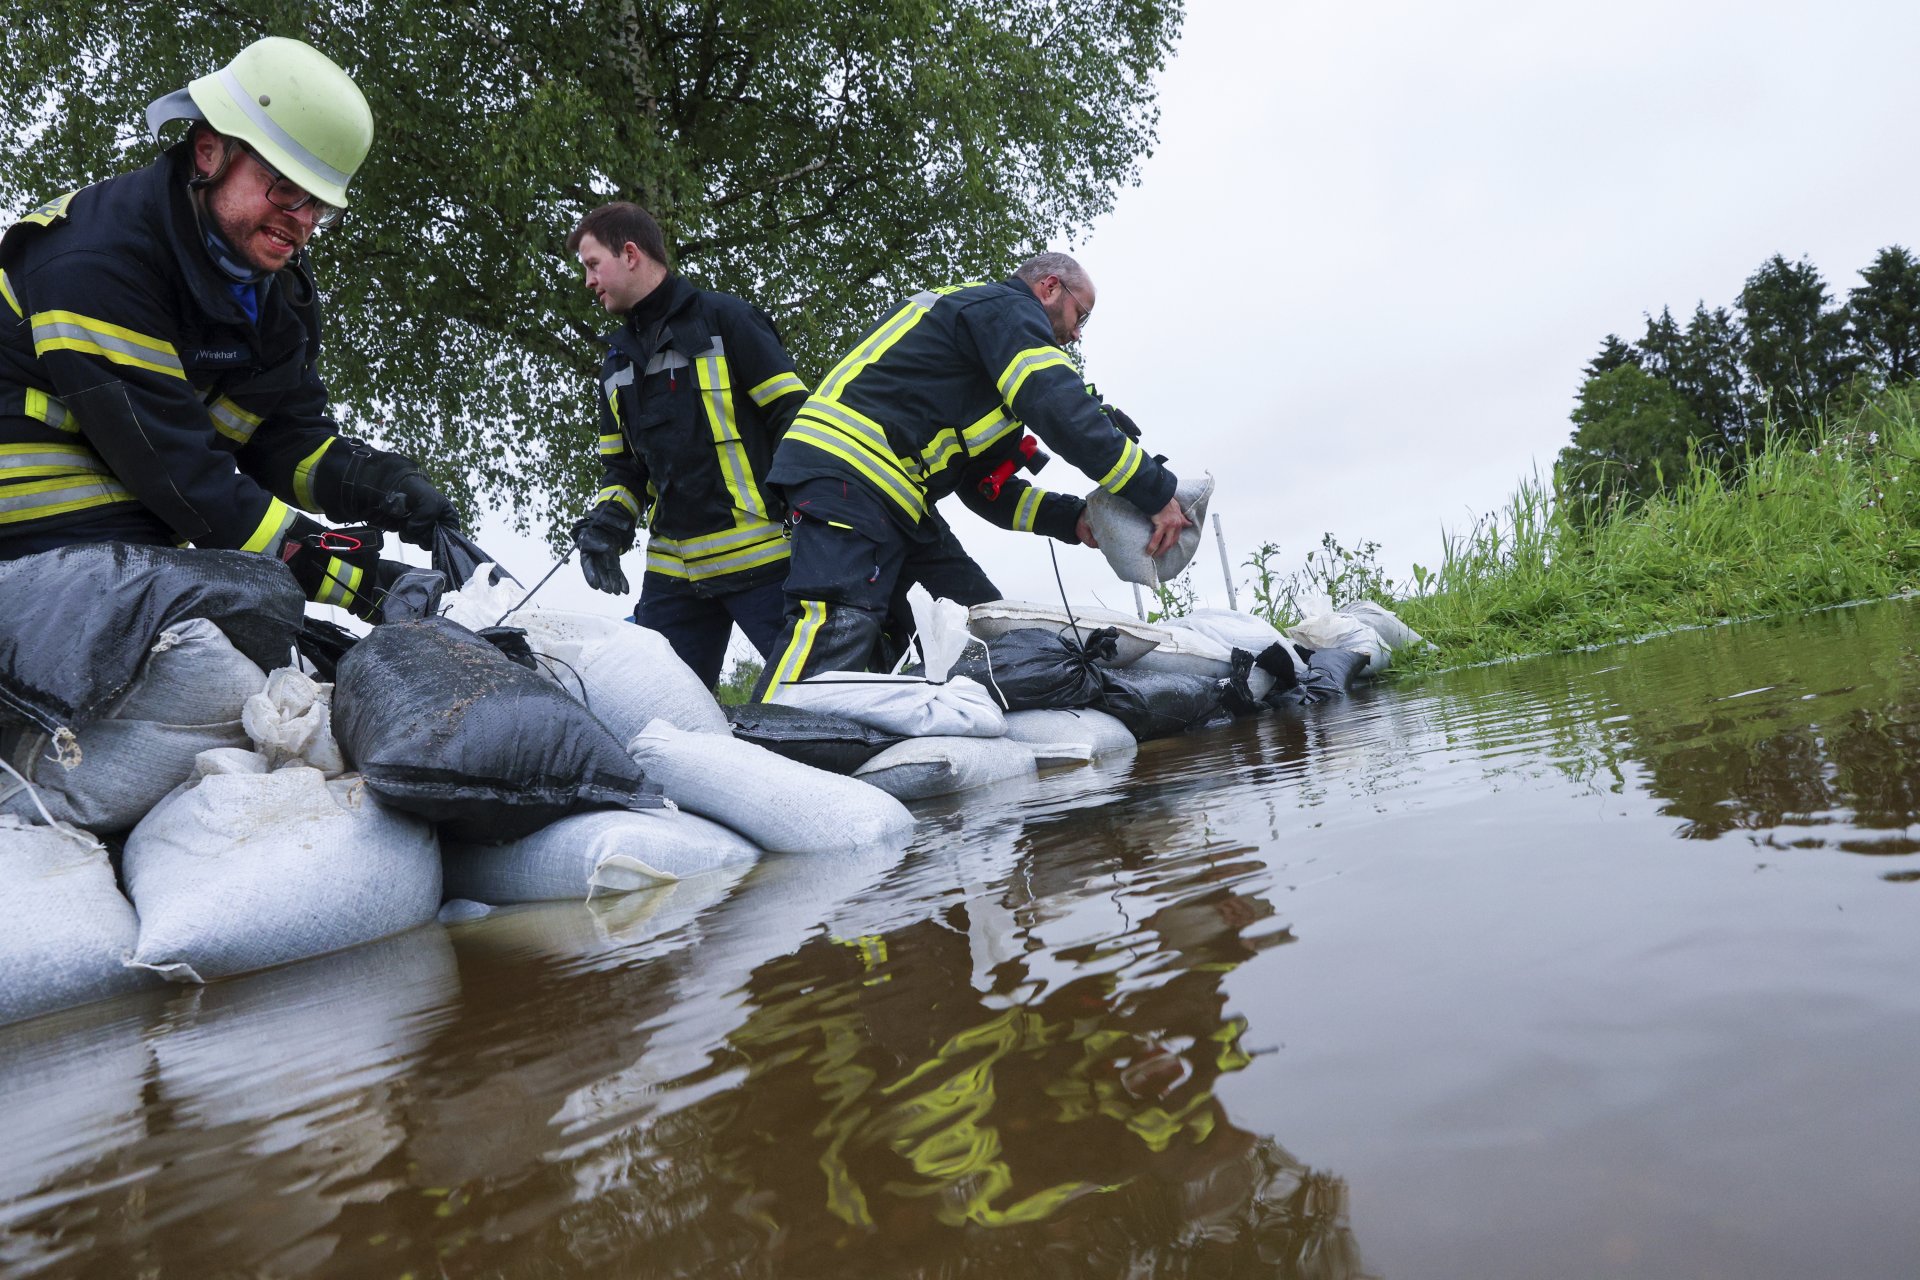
(1730, 382)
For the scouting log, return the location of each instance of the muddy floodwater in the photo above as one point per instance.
(1593, 965)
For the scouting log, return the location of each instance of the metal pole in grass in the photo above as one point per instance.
(1138, 607)
(1226, 565)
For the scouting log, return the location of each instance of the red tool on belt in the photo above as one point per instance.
(1027, 453)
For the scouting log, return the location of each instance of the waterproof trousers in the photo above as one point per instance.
(698, 626)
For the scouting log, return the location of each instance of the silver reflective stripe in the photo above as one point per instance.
(52, 330)
(230, 420)
(622, 378)
(663, 361)
(51, 497)
(708, 544)
(65, 457)
(252, 109)
(925, 298)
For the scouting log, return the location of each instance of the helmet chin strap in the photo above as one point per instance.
(225, 257)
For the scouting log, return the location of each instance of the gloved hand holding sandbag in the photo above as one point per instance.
(442, 725)
(1124, 532)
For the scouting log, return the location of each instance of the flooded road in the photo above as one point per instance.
(1597, 965)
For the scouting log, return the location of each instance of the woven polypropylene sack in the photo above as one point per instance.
(1132, 636)
(1385, 622)
(1035, 668)
(591, 854)
(780, 805)
(906, 705)
(1153, 704)
(1330, 673)
(187, 699)
(1340, 631)
(924, 767)
(1099, 732)
(243, 868)
(1235, 630)
(441, 724)
(829, 742)
(626, 675)
(1123, 531)
(68, 931)
(79, 621)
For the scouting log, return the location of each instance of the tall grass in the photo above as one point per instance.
(1803, 526)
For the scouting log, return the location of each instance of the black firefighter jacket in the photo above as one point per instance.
(138, 402)
(691, 410)
(935, 396)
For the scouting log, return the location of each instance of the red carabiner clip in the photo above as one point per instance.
(334, 540)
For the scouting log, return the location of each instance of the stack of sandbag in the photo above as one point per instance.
(1361, 627)
(273, 855)
(68, 930)
(627, 675)
(1038, 669)
(444, 726)
(779, 804)
(1132, 638)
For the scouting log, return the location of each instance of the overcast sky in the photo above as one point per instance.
(1376, 243)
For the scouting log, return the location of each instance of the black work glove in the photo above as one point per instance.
(339, 566)
(414, 508)
(1125, 425)
(602, 537)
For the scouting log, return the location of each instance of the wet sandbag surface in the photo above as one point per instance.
(1329, 674)
(591, 854)
(243, 868)
(68, 929)
(924, 767)
(779, 804)
(79, 621)
(187, 699)
(443, 725)
(1157, 705)
(1034, 668)
(815, 738)
(1101, 733)
(905, 705)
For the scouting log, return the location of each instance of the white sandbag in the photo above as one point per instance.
(1099, 732)
(906, 705)
(1396, 633)
(1340, 631)
(291, 722)
(1123, 532)
(922, 767)
(994, 619)
(1235, 630)
(592, 854)
(781, 805)
(939, 628)
(186, 699)
(242, 868)
(628, 676)
(68, 931)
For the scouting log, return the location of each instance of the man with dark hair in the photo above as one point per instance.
(930, 402)
(157, 351)
(696, 391)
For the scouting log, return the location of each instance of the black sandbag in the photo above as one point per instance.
(76, 622)
(816, 738)
(457, 556)
(1329, 673)
(1158, 704)
(442, 724)
(323, 644)
(1036, 669)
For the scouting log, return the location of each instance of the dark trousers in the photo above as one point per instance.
(850, 569)
(699, 626)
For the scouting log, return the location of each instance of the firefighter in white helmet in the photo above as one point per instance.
(158, 382)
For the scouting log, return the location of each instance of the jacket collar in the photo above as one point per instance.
(681, 327)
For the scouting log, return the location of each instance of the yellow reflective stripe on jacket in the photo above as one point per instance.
(831, 436)
(933, 459)
(891, 330)
(716, 396)
(71, 331)
(1027, 510)
(303, 475)
(1129, 462)
(1024, 365)
(53, 210)
(990, 427)
(793, 660)
(45, 408)
(6, 291)
(271, 529)
(40, 499)
(613, 445)
(621, 494)
(780, 384)
(679, 559)
(233, 422)
(20, 461)
(341, 583)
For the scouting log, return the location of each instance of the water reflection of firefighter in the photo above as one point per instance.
(1082, 1124)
